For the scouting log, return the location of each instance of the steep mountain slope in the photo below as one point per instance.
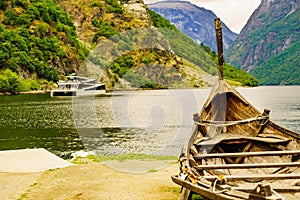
(194, 21)
(268, 46)
(188, 49)
(127, 50)
(91, 17)
(121, 43)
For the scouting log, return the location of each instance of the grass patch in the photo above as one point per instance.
(23, 196)
(78, 161)
(234, 83)
(131, 156)
(175, 190)
(152, 170)
(33, 184)
(196, 197)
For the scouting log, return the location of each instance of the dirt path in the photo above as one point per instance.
(12, 185)
(90, 181)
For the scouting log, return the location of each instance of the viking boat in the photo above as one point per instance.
(237, 152)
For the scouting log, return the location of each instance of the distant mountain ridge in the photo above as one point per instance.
(196, 22)
(269, 45)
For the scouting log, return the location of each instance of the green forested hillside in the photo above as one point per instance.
(43, 40)
(282, 69)
(268, 46)
(38, 40)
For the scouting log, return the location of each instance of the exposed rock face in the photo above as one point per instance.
(83, 12)
(194, 21)
(270, 30)
(138, 9)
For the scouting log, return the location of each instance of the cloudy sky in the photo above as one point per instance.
(234, 13)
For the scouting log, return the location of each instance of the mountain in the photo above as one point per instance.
(194, 21)
(128, 49)
(120, 43)
(269, 45)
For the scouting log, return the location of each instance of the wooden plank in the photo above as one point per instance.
(263, 176)
(246, 166)
(248, 154)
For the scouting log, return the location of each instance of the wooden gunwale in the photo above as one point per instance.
(284, 130)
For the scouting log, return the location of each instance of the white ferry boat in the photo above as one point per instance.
(77, 85)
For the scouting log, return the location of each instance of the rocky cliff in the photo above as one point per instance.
(268, 45)
(194, 21)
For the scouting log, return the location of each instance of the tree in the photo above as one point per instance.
(9, 81)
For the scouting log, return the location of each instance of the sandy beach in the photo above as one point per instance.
(90, 180)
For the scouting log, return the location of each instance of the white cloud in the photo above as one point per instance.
(234, 13)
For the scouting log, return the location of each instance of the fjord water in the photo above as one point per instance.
(146, 121)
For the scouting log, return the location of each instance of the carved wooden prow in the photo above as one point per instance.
(218, 28)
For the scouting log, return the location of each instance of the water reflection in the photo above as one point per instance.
(151, 122)
(62, 142)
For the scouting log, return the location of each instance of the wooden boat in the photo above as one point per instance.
(236, 152)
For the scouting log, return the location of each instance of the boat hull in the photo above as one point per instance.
(63, 93)
(234, 146)
(73, 93)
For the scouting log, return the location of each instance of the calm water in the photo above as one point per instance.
(152, 122)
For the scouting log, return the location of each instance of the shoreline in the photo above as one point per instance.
(24, 93)
(109, 91)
